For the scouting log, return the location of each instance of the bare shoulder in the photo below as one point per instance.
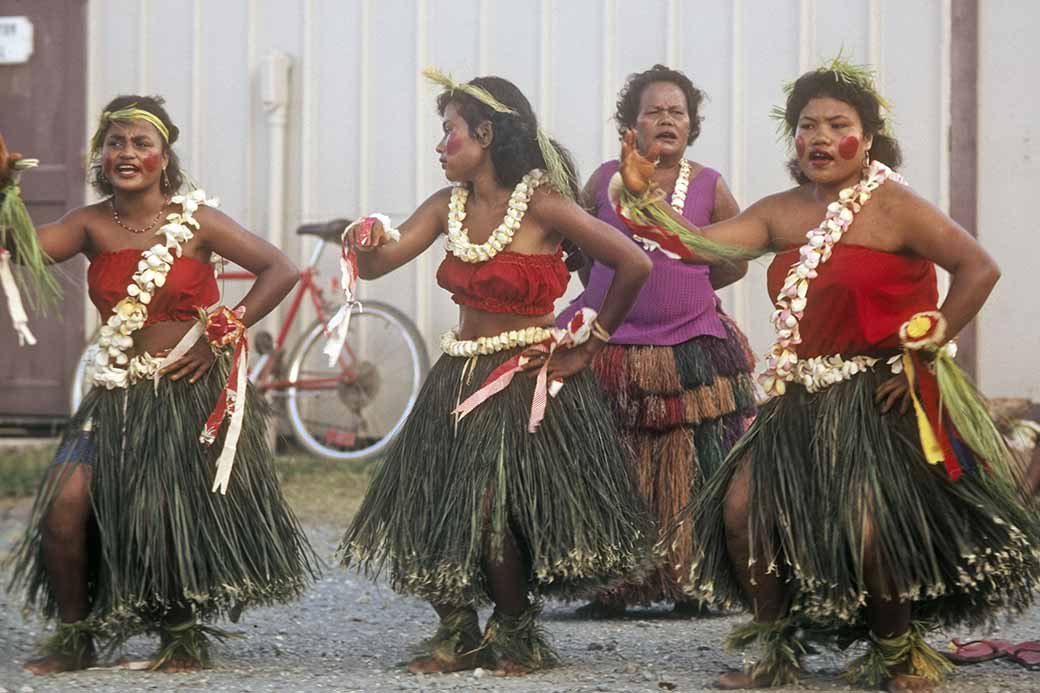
(210, 217)
(547, 203)
(899, 199)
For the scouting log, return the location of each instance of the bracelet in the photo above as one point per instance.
(926, 330)
(600, 332)
(391, 232)
(224, 326)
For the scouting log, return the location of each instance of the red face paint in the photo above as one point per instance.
(452, 145)
(799, 146)
(151, 162)
(848, 147)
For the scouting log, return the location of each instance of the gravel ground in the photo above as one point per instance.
(349, 634)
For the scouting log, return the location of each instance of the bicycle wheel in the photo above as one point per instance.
(81, 379)
(354, 409)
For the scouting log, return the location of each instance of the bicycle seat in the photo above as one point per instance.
(328, 231)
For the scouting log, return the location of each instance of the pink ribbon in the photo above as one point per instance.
(577, 333)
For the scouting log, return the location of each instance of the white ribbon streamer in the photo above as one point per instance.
(227, 453)
(14, 301)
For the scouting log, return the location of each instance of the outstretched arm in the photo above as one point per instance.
(58, 241)
(748, 231)
(726, 207)
(418, 232)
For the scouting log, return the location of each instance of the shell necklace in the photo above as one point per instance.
(458, 243)
(682, 183)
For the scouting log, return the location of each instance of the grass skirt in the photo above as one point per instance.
(826, 471)
(160, 538)
(445, 487)
(681, 408)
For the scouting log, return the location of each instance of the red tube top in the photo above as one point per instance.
(189, 285)
(859, 300)
(507, 283)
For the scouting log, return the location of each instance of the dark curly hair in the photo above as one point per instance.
(514, 147)
(174, 178)
(827, 83)
(628, 98)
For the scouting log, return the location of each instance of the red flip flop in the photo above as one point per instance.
(975, 651)
(1027, 654)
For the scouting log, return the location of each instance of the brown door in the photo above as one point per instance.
(41, 115)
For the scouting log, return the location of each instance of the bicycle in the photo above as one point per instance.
(349, 411)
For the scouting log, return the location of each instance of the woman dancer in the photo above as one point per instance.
(126, 535)
(496, 490)
(677, 371)
(858, 500)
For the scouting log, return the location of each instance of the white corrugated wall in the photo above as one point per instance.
(362, 124)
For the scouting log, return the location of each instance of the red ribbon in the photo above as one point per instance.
(656, 234)
(930, 400)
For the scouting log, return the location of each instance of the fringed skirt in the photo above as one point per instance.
(448, 492)
(680, 409)
(831, 478)
(159, 539)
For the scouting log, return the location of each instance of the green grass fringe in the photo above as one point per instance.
(782, 649)
(190, 642)
(520, 639)
(970, 415)
(827, 467)
(18, 235)
(161, 541)
(565, 492)
(74, 640)
(886, 655)
(645, 211)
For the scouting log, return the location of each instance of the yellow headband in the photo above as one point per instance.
(557, 175)
(124, 115)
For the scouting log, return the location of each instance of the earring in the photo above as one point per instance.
(165, 183)
(866, 158)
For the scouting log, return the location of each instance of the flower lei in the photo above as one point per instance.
(482, 346)
(577, 332)
(130, 314)
(458, 243)
(782, 361)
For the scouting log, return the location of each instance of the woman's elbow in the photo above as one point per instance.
(641, 268)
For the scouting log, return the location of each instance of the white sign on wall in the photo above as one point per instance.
(16, 40)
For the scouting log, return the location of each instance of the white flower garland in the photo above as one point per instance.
(458, 243)
(682, 184)
(782, 361)
(482, 346)
(129, 315)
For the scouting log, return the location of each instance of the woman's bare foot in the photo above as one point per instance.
(436, 665)
(908, 682)
(735, 680)
(57, 663)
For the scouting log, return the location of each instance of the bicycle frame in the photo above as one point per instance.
(307, 287)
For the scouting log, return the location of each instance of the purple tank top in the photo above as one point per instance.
(677, 302)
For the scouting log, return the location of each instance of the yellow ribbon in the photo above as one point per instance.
(929, 442)
(124, 115)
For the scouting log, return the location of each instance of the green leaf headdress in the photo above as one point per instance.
(558, 176)
(125, 115)
(860, 77)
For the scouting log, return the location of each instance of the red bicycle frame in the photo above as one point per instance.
(306, 287)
